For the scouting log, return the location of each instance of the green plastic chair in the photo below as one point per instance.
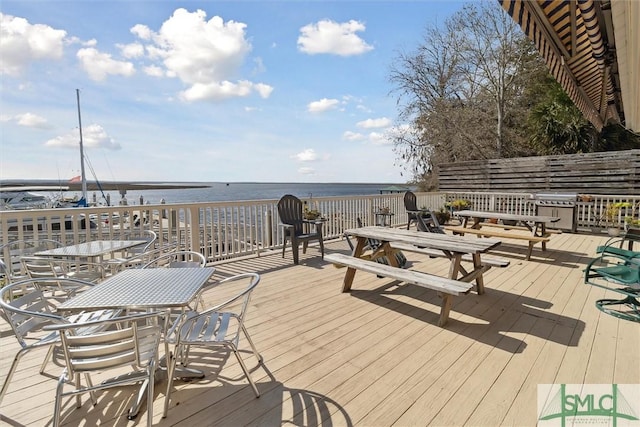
(616, 272)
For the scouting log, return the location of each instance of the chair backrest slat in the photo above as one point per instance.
(290, 211)
(130, 345)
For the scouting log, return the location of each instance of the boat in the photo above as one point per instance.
(23, 198)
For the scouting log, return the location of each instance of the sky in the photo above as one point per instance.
(207, 91)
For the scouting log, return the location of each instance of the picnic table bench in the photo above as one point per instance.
(452, 247)
(502, 234)
(486, 260)
(447, 288)
(518, 227)
(534, 224)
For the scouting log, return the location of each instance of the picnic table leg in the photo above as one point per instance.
(445, 308)
(528, 257)
(480, 279)
(540, 230)
(476, 223)
(390, 254)
(456, 265)
(351, 272)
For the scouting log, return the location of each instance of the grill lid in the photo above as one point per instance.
(556, 196)
(555, 199)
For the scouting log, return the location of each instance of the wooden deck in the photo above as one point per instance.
(375, 356)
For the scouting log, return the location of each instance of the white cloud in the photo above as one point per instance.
(99, 65)
(205, 55)
(378, 138)
(308, 155)
(353, 136)
(32, 121)
(22, 43)
(322, 105)
(374, 123)
(263, 89)
(141, 31)
(93, 136)
(306, 171)
(131, 50)
(224, 90)
(327, 36)
(154, 71)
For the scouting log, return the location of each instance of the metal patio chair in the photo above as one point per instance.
(130, 342)
(45, 267)
(10, 254)
(178, 259)
(296, 228)
(215, 327)
(134, 254)
(29, 305)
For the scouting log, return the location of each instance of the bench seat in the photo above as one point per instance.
(447, 288)
(518, 227)
(502, 234)
(486, 260)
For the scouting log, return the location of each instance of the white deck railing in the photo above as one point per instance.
(223, 230)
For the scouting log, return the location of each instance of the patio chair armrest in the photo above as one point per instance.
(103, 321)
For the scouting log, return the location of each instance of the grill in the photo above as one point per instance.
(562, 205)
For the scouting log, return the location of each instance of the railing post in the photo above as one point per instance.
(268, 229)
(192, 221)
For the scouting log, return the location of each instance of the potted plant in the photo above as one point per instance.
(458, 205)
(630, 221)
(612, 216)
(311, 214)
(443, 215)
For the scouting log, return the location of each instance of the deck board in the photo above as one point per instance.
(375, 356)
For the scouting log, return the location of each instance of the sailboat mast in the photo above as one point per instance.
(82, 174)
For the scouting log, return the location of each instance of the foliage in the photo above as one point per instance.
(442, 215)
(615, 137)
(477, 88)
(459, 204)
(459, 91)
(612, 212)
(311, 214)
(558, 127)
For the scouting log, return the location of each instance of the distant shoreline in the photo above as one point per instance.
(34, 182)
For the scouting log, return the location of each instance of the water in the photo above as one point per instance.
(234, 191)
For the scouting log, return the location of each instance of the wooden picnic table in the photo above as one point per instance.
(453, 247)
(536, 225)
(458, 280)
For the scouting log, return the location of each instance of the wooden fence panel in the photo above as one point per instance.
(613, 172)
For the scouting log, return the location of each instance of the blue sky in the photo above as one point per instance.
(266, 91)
